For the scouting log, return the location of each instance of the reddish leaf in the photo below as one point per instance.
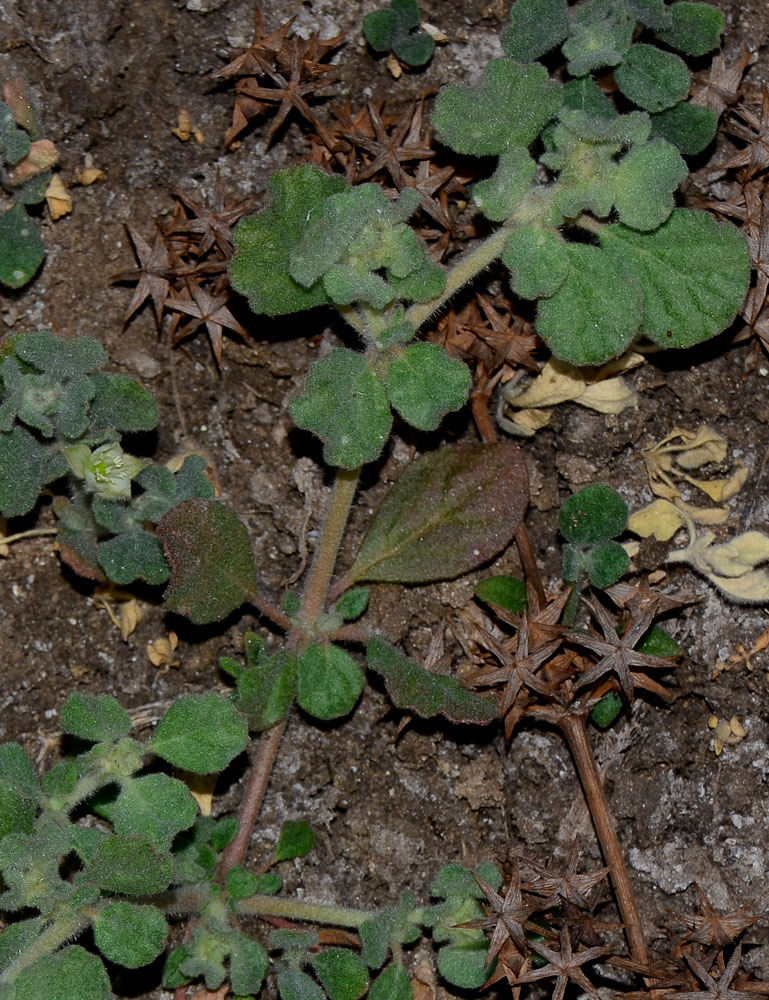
(449, 512)
(212, 565)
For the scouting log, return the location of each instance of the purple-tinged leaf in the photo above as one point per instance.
(423, 692)
(212, 565)
(449, 512)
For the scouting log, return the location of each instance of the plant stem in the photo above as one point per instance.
(463, 271)
(236, 850)
(69, 923)
(31, 533)
(574, 730)
(292, 909)
(570, 611)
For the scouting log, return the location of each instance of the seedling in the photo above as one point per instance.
(396, 29)
(26, 159)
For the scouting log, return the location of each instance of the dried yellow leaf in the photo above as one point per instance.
(721, 489)
(89, 175)
(660, 519)
(741, 554)
(438, 36)
(525, 423)
(161, 651)
(58, 199)
(185, 129)
(201, 788)
(130, 614)
(395, 68)
(611, 396)
(752, 588)
(697, 449)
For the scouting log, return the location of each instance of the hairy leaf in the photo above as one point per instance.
(201, 733)
(296, 839)
(536, 27)
(653, 13)
(599, 35)
(293, 984)
(392, 984)
(424, 383)
(98, 718)
(508, 108)
(249, 963)
(122, 403)
(345, 403)
(129, 865)
(538, 261)
(506, 592)
(644, 182)
(500, 195)
(343, 975)
(329, 681)
(424, 692)
(263, 243)
(156, 806)
(595, 313)
(695, 29)
(693, 273)
(689, 127)
(607, 562)
(25, 467)
(652, 79)
(594, 514)
(130, 935)
(265, 688)
(77, 974)
(449, 511)
(22, 249)
(352, 603)
(64, 359)
(133, 555)
(606, 710)
(212, 565)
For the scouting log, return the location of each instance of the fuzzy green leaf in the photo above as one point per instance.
(693, 273)
(16, 938)
(345, 403)
(599, 35)
(352, 603)
(595, 313)
(508, 108)
(129, 865)
(64, 359)
(463, 963)
(265, 689)
(379, 29)
(606, 710)
(25, 467)
(689, 127)
(16, 766)
(343, 975)
(212, 565)
(500, 195)
(585, 95)
(390, 926)
(606, 563)
(17, 810)
(424, 384)
(392, 984)
(652, 79)
(296, 839)
(536, 27)
(414, 50)
(122, 403)
(14, 141)
(76, 973)
(201, 733)
(293, 984)
(263, 243)
(644, 182)
(506, 592)
(424, 692)
(457, 881)
(249, 963)
(329, 681)
(98, 718)
(133, 555)
(61, 779)
(696, 28)
(22, 249)
(657, 642)
(130, 935)
(449, 511)
(653, 13)
(156, 806)
(538, 261)
(594, 514)
(241, 883)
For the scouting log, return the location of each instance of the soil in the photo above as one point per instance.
(390, 805)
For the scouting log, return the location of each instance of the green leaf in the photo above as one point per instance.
(508, 108)
(25, 467)
(594, 514)
(133, 555)
(652, 79)
(263, 243)
(329, 681)
(504, 592)
(343, 975)
(14, 141)
(201, 733)
(16, 766)
(129, 865)
(689, 127)
(538, 261)
(17, 810)
(606, 710)
(500, 195)
(240, 883)
(389, 927)
(296, 839)
(17, 938)
(122, 403)
(130, 935)
(606, 563)
(424, 692)
(693, 272)
(172, 976)
(599, 35)
(22, 249)
(379, 29)
(392, 984)
(449, 511)
(645, 180)
(78, 975)
(536, 27)
(205, 956)
(595, 313)
(345, 403)
(223, 832)
(414, 50)
(293, 984)
(265, 689)
(463, 963)
(212, 565)
(155, 805)
(352, 603)
(457, 881)
(249, 963)
(653, 13)
(98, 718)
(696, 28)
(657, 642)
(64, 359)
(424, 384)
(585, 95)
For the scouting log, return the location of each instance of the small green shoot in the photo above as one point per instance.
(396, 29)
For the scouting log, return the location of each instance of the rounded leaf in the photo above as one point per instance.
(696, 28)
(606, 710)
(536, 27)
(329, 682)
(506, 592)
(645, 180)
(343, 975)
(76, 973)
(607, 562)
(296, 839)
(652, 79)
(379, 29)
(201, 733)
(538, 262)
(156, 806)
(689, 127)
(595, 514)
(392, 984)
(98, 718)
(424, 384)
(22, 250)
(414, 50)
(500, 195)
(130, 935)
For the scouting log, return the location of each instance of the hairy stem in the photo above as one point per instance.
(296, 910)
(574, 730)
(65, 926)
